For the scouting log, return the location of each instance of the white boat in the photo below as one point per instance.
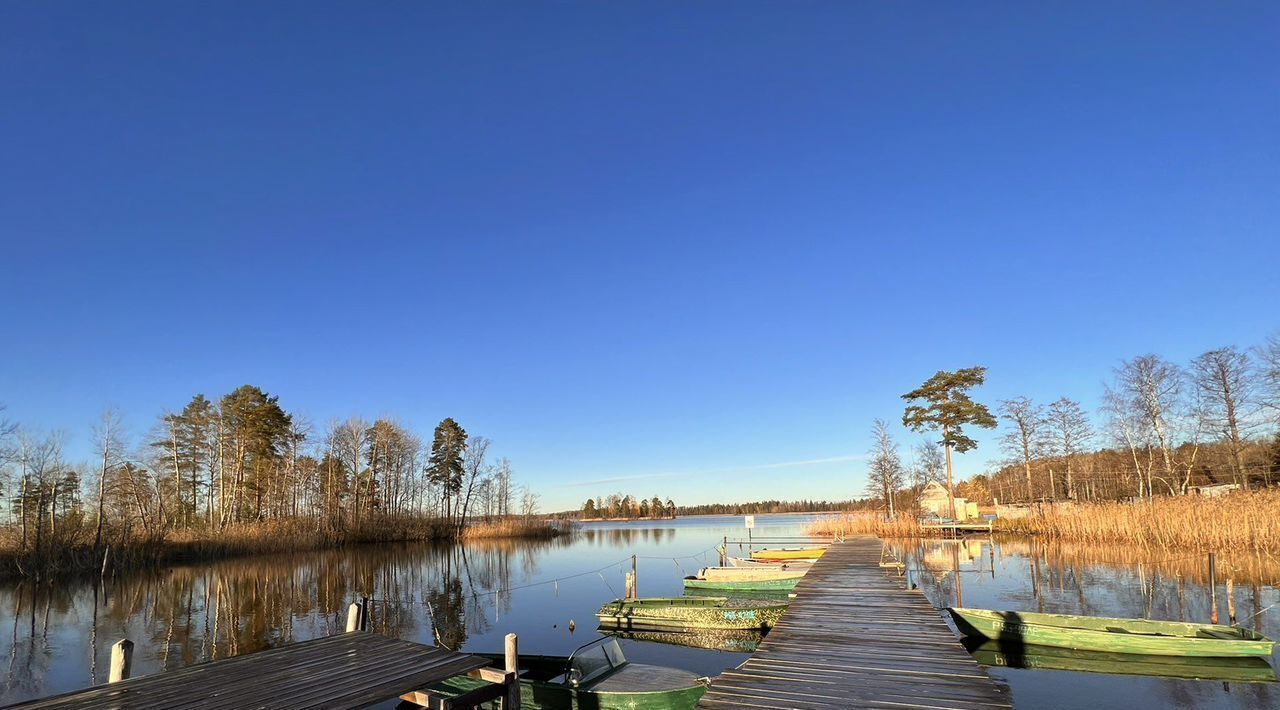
(797, 565)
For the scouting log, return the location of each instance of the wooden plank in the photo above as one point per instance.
(343, 671)
(856, 636)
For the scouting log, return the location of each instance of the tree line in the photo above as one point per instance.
(242, 458)
(1163, 428)
(628, 507)
(766, 507)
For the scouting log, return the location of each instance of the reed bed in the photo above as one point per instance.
(847, 524)
(514, 528)
(76, 556)
(1240, 521)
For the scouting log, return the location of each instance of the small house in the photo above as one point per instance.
(935, 501)
(1213, 491)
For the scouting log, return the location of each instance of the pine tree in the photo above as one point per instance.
(444, 467)
(948, 408)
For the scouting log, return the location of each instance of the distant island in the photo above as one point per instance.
(621, 506)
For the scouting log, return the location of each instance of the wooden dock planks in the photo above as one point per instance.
(856, 637)
(347, 670)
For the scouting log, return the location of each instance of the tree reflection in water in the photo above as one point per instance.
(185, 615)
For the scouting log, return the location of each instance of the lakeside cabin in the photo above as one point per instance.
(935, 501)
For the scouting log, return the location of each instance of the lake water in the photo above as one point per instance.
(57, 638)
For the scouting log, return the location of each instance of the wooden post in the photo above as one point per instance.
(724, 551)
(635, 579)
(1213, 589)
(512, 699)
(364, 613)
(955, 557)
(629, 590)
(121, 660)
(353, 617)
(1231, 601)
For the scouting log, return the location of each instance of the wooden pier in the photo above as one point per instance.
(855, 636)
(347, 670)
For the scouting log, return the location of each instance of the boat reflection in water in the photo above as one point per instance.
(733, 641)
(1050, 658)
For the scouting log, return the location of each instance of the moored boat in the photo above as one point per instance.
(676, 613)
(782, 564)
(1095, 633)
(1248, 669)
(732, 640)
(787, 553)
(596, 675)
(744, 578)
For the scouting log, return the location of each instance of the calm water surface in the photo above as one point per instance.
(58, 638)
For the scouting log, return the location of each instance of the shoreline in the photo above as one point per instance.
(249, 539)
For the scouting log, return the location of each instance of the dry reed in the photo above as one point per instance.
(512, 528)
(1240, 521)
(847, 524)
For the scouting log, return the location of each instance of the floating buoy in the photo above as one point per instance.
(571, 625)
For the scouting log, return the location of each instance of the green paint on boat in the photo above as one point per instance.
(1049, 658)
(596, 677)
(677, 613)
(1096, 633)
(755, 585)
(731, 640)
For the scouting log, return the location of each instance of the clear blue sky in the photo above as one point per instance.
(675, 241)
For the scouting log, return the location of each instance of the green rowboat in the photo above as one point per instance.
(779, 595)
(1095, 633)
(689, 613)
(757, 585)
(744, 579)
(1048, 658)
(596, 676)
(729, 640)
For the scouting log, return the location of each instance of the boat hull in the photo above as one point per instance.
(788, 553)
(690, 613)
(797, 565)
(1134, 636)
(553, 696)
(751, 585)
(1050, 658)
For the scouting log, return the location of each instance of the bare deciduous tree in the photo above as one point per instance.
(1069, 432)
(1025, 441)
(1153, 387)
(1224, 382)
(108, 441)
(885, 472)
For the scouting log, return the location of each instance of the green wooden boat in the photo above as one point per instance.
(778, 595)
(731, 640)
(596, 676)
(1049, 658)
(1096, 633)
(687, 613)
(781, 564)
(743, 578)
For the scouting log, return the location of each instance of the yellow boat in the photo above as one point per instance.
(788, 553)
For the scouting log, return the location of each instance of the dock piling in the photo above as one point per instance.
(512, 667)
(1213, 589)
(121, 660)
(353, 617)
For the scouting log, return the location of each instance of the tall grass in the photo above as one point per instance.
(75, 555)
(846, 524)
(1240, 521)
(513, 528)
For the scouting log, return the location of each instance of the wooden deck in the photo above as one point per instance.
(855, 636)
(343, 671)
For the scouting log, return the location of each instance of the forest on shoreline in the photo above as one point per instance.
(1163, 429)
(240, 474)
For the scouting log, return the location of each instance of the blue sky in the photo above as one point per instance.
(676, 244)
